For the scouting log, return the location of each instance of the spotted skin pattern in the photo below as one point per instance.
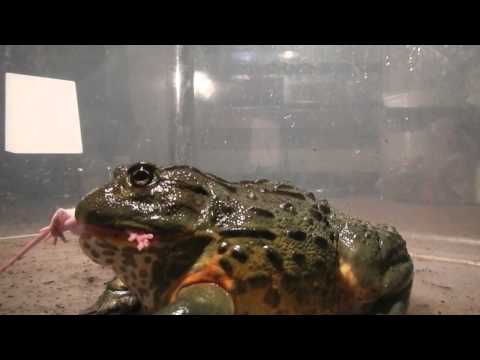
(274, 248)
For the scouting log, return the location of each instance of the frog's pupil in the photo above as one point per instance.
(142, 177)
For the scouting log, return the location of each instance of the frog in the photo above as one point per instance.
(182, 241)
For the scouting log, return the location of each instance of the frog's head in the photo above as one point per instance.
(144, 202)
(144, 198)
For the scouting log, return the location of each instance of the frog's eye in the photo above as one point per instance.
(141, 174)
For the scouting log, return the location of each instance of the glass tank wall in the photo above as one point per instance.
(385, 133)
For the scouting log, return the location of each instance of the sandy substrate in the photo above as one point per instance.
(62, 280)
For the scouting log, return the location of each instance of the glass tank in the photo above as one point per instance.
(385, 133)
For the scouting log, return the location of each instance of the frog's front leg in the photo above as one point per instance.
(115, 300)
(201, 299)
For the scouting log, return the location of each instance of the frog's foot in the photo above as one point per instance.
(115, 300)
(393, 305)
(200, 299)
(63, 220)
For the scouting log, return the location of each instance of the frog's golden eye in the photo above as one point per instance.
(141, 174)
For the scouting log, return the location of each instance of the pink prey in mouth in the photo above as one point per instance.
(143, 240)
(64, 220)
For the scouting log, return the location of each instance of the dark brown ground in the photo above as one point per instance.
(63, 280)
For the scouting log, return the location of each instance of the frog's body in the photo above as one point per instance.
(264, 248)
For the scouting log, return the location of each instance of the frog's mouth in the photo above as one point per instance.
(121, 223)
(139, 235)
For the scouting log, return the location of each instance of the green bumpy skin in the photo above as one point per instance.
(271, 247)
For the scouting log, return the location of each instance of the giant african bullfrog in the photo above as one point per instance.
(183, 241)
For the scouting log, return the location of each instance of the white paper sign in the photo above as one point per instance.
(41, 116)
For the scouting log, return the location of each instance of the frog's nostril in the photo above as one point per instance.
(120, 171)
(85, 213)
(80, 212)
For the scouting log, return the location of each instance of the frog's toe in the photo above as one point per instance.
(115, 300)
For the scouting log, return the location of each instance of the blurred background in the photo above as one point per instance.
(388, 122)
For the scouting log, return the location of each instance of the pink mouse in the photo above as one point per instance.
(64, 220)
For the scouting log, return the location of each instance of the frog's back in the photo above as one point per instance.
(284, 252)
(274, 246)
